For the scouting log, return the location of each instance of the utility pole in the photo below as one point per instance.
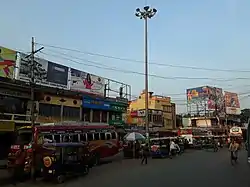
(33, 67)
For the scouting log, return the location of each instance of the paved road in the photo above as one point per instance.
(198, 168)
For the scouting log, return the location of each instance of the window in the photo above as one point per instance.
(150, 117)
(113, 135)
(97, 136)
(108, 135)
(115, 116)
(13, 105)
(90, 136)
(57, 138)
(86, 114)
(49, 110)
(102, 136)
(74, 138)
(49, 137)
(96, 116)
(104, 116)
(71, 112)
(65, 138)
(83, 137)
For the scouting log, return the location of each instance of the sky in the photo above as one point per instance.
(204, 34)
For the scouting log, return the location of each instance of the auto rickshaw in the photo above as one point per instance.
(64, 159)
(160, 147)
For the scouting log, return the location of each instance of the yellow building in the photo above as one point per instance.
(161, 110)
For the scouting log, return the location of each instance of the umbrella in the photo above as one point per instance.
(134, 136)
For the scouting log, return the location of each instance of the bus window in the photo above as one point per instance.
(108, 135)
(113, 135)
(57, 138)
(83, 137)
(74, 138)
(102, 136)
(97, 136)
(48, 136)
(90, 136)
(65, 138)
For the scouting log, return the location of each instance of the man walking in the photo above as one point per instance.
(145, 153)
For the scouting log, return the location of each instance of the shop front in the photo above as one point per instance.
(100, 110)
(117, 114)
(95, 110)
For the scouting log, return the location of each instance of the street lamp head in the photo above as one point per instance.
(146, 8)
(138, 10)
(137, 14)
(154, 10)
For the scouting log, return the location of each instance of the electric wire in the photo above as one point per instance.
(139, 61)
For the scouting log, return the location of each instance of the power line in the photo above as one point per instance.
(101, 66)
(139, 61)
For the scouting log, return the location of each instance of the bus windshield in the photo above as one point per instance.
(24, 136)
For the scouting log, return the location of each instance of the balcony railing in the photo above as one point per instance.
(17, 118)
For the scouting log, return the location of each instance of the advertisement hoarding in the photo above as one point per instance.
(46, 73)
(215, 99)
(232, 103)
(88, 83)
(7, 62)
(197, 94)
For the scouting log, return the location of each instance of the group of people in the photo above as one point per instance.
(173, 148)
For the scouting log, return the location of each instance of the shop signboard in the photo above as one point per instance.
(46, 73)
(96, 104)
(118, 108)
(7, 62)
(86, 82)
(232, 103)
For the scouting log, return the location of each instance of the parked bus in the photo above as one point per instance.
(102, 139)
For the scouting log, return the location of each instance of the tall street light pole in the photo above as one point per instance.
(145, 14)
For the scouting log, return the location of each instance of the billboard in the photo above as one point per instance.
(215, 99)
(46, 73)
(232, 103)
(197, 94)
(88, 83)
(7, 62)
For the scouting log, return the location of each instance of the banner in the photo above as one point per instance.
(7, 62)
(46, 73)
(232, 103)
(85, 82)
(197, 94)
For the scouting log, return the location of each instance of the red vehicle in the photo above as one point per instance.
(102, 139)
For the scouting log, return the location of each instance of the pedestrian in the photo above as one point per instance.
(145, 153)
(19, 165)
(233, 148)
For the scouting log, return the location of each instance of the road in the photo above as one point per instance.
(196, 168)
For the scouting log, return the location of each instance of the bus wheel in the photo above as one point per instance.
(60, 179)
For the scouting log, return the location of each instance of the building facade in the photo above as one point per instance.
(61, 93)
(162, 113)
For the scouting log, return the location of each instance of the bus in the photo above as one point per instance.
(102, 139)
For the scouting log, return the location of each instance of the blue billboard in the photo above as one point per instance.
(95, 103)
(194, 94)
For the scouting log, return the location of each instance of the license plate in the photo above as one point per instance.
(50, 171)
